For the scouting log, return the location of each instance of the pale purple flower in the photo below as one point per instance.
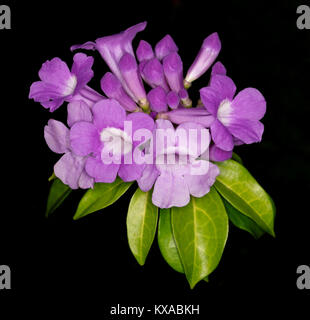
(235, 119)
(70, 169)
(174, 182)
(98, 137)
(113, 89)
(58, 83)
(207, 54)
(113, 47)
(165, 46)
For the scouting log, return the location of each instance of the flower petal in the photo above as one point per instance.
(217, 154)
(224, 86)
(221, 136)
(82, 68)
(84, 138)
(101, 172)
(57, 137)
(170, 191)
(218, 68)
(130, 172)
(165, 46)
(108, 113)
(69, 169)
(173, 69)
(199, 185)
(157, 99)
(249, 104)
(248, 131)
(78, 111)
(144, 51)
(85, 181)
(148, 177)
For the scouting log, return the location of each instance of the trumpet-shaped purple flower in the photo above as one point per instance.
(177, 173)
(173, 69)
(70, 169)
(158, 99)
(173, 100)
(105, 134)
(113, 47)
(235, 119)
(113, 88)
(207, 54)
(58, 83)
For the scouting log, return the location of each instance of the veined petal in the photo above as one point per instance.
(207, 54)
(249, 104)
(78, 111)
(85, 181)
(56, 135)
(69, 169)
(199, 185)
(170, 191)
(221, 136)
(130, 172)
(248, 131)
(165, 46)
(82, 68)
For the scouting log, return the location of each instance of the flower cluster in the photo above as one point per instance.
(143, 126)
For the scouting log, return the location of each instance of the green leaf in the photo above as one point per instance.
(166, 241)
(52, 177)
(200, 230)
(141, 224)
(242, 222)
(236, 157)
(57, 194)
(242, 191)
(101, 196)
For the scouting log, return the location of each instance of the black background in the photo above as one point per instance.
(86, 265)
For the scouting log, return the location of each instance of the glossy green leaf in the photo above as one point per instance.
(57, 194)
(141, 224)
(241, 190)
(101, 196)
(200, 230)
(166, 241)
(241, 221)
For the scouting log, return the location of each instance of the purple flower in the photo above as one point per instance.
(70, 169)
(58, 84)
(173, 100)
(153, 73)
(235, 119)
(173, 69)
(177, 173)
(165, 46)
(207, 54)
(144, 51)
(158, 100)
(113, 89)
(113, 47)
(106, 134)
